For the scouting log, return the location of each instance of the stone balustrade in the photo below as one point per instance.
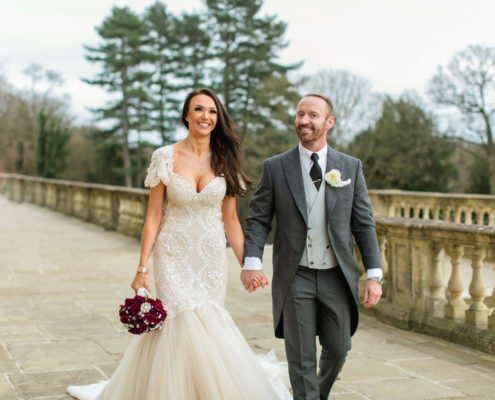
(112, 207)
(467, 209)
(439, 279)
(435, 271)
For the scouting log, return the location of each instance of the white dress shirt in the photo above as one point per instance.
(254, 263)
(305, 155)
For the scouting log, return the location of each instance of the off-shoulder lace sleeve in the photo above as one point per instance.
(161, 167)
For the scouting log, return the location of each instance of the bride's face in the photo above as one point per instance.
(202, 115)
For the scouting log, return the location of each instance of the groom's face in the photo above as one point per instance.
(313, 120)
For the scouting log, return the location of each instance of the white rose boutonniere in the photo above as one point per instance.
(334, 178)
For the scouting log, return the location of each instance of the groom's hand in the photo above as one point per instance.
(372, 293)
(253, 279)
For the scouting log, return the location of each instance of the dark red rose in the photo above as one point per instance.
(138, 324)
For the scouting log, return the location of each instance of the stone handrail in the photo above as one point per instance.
(424, 286)
(415, 252)
(468, 209)
(112, 207)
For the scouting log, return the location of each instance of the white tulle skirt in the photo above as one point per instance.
(198, 355)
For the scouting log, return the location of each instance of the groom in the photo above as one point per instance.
(320, 201)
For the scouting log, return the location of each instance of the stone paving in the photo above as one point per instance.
(62, 282)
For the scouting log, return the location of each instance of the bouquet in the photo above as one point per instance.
(142, 314)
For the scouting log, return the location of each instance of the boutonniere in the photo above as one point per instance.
(334, 178)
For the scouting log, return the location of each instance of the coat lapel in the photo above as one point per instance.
(293, 175)
(333, 162)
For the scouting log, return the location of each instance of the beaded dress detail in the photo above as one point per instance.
(199, 353)
(190, 261)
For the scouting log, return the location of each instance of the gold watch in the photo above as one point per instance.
(143, 270)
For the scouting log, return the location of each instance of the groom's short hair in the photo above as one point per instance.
(324, 98)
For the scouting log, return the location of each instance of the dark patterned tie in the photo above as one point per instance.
(315, 172)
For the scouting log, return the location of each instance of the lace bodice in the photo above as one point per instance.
(189, 255)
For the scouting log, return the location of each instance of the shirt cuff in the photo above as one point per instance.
(374, 273)
(252, 264)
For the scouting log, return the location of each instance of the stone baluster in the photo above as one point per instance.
(382, 243)
(491, 318)
(457, 216)
(491, 322)
(469, 216)
(456, 307)
(447, 214)
(477, 314)
(481, 217)
(436, 299)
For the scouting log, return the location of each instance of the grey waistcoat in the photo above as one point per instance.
(318, 252)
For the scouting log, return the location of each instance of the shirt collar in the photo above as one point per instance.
(306, 153)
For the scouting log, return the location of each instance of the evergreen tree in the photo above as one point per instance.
(122, 56)
(403, 152)
(141, 107)
(149, 63)
(194, 51)
(164, 48)
(52, 151)
(479, 174)
(246, 47)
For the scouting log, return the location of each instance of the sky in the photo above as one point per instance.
(396, 44)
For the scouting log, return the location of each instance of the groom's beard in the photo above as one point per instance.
(311, 136)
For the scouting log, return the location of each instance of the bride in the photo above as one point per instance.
(199, 353)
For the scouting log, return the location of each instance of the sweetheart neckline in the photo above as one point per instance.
(190, 184)
(185, 180)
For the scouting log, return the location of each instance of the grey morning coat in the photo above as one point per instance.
(280, 193)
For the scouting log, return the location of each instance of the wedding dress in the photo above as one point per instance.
(199, 353)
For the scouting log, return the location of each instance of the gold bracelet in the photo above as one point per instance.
(143, 270)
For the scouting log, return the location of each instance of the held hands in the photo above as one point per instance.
(372, 293)
(253, 280)
(141, 280)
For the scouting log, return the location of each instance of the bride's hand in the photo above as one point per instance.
(260, 281)
(141, 280)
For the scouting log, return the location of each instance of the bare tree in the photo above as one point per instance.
(356, 106)
(467, 83)
(50, 79)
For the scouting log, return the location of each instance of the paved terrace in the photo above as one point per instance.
(62, 282)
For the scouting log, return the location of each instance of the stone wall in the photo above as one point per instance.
(468, 209)
(434, 270)
(112, 207)
(438, 279)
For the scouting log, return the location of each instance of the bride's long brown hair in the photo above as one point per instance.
(226, 158)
